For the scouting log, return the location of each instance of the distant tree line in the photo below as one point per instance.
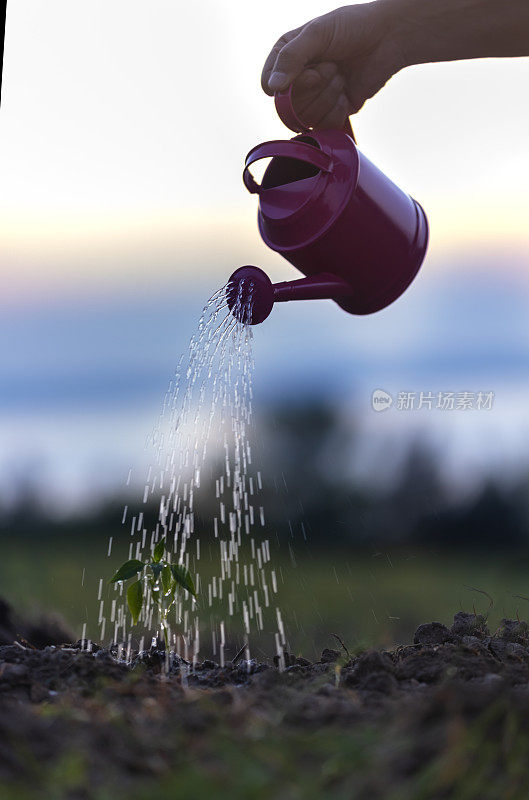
(309, 494)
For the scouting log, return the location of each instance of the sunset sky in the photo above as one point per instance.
(123, 130)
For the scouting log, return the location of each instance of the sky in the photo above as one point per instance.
(123, 130)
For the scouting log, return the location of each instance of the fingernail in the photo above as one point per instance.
(278, 81)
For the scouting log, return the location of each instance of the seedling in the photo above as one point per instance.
(163, 578)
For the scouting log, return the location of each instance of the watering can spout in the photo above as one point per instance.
(251, 294)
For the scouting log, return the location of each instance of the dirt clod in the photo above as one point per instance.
(469, 625)
(432, 633)
(512, 630)
(328, 656)
(44, 630)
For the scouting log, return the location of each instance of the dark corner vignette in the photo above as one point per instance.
(3, 5)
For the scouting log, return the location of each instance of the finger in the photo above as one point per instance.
(369, 75)
(365, 81)
(272, 57)
(325, 72)
(294, 57)
(312, 81)
(336, 117)
(323, 103)
(307, 83)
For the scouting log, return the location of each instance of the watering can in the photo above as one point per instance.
(357, 237)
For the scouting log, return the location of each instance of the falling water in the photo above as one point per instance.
(204, 432)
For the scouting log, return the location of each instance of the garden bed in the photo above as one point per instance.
(445, 716)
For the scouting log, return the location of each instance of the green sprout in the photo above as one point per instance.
(163, 579)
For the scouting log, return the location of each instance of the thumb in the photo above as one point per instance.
(294, 57)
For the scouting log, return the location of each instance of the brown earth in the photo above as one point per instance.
(401, 714)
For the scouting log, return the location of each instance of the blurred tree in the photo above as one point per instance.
(309, 493)
(305, 453)
(418, 491)
(495, 519)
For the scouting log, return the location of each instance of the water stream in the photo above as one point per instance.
(201, 447)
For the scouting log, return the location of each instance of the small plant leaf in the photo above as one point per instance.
(127, 570)
(156, 570)
(167, 578)
(183, 578)
(135, 600)
(159, 550)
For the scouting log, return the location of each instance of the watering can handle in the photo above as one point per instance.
(287, 115)
(287, 148)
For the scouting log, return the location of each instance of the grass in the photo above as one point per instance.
(366, 599)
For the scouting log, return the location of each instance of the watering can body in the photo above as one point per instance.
(327, 209)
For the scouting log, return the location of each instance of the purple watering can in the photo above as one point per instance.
(357, 237)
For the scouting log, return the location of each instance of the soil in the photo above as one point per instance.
(382, 718)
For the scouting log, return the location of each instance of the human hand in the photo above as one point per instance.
(336, 62)
(339, 60)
